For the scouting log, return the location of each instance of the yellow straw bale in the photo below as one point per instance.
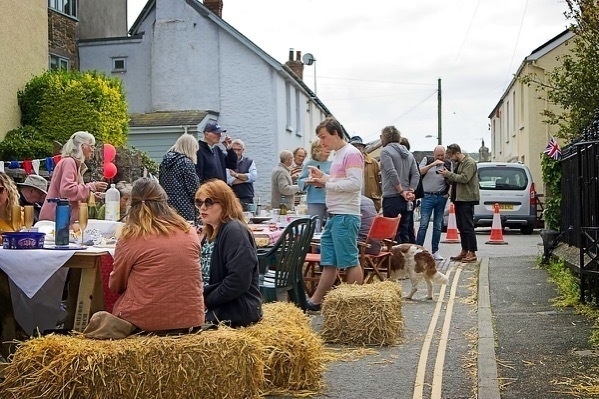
(294, 353)
(212, 364)
(368, 314)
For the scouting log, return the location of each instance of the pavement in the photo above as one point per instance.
(491, 332)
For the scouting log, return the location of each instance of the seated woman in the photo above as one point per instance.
(9, 196)
(157, 265)
(229, 258)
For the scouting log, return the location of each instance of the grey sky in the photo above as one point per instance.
(377, 62)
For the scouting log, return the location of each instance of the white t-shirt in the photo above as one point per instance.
(345, 181)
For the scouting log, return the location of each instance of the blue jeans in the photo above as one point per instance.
(428, 204)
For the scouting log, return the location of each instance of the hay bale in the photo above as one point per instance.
(368, 314)
(294, 356)
(212, 364)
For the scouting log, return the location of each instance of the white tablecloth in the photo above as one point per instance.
(29, 269)
(37, 282)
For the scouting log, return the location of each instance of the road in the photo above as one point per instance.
(437, 357)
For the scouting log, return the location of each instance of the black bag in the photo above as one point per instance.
(419, 192)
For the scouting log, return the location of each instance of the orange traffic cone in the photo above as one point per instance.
(496, 229)
(451, 236)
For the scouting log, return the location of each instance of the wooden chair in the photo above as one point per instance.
(383, 229)
(281, 265)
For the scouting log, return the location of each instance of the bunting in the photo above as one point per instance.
(31, 165)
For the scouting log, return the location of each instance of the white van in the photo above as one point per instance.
(510, 185)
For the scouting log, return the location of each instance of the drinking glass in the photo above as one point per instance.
(15, 217)
(28, 216)
(248, 216)
(83, 215)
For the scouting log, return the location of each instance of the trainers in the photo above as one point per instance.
(313, 306)
(436, 256)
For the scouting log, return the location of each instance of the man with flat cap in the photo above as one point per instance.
(33, 192)
(213, 161)
(372, 174)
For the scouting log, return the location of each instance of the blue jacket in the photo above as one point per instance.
(213, 165)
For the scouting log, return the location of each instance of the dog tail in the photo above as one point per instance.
(439, 278)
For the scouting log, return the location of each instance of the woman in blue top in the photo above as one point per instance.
(316, 195)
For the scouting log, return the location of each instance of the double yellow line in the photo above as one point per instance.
(442, 348)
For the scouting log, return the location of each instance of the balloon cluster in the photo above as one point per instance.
(109, 167)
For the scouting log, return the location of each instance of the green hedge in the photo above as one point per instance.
(59, 103)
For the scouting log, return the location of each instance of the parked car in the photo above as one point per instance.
(510, 185)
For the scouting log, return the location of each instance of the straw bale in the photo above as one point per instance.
(368, 314)
(212, 364)
(295, 354)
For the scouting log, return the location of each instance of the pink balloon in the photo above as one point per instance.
(109, 153)
(109, 170)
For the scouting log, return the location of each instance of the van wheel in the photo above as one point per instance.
(528, 229)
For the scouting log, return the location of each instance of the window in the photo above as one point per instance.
(68, 7)
(57, 62)
(298, 114)
(119, 64)
(288, 107)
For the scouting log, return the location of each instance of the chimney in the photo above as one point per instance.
(216, 6)
(297, 66)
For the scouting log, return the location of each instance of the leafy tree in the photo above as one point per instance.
(574, 83)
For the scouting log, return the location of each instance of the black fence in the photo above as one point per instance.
(580, 209)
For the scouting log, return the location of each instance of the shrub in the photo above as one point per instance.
(25, 143)
(60, 103)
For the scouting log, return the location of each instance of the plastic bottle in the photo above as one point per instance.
(113, 204)
(410, 206)
(62, 219)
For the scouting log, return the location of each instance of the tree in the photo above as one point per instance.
(574, 83)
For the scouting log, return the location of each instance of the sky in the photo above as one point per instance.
(378, 62)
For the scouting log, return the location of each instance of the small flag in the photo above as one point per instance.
(553, 149)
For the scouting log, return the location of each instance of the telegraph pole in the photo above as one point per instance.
(439, 130)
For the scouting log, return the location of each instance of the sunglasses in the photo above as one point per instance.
(208, 202)
(2, 190)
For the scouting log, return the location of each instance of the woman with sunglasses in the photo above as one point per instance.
(9, 196)
(67, 178)
(229, 258)
(157, 265)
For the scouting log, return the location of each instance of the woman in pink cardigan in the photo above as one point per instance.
(157, 265)
(67, 178)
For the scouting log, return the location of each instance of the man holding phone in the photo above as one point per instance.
(213, 162)
(435, 196)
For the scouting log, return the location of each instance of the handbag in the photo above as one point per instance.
(419, 192)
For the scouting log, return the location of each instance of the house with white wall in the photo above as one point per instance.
(183, 65)
(518, 130)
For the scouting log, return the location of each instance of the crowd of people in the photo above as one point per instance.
(171, 277)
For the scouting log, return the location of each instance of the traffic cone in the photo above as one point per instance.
(451, 236)
(496, 237)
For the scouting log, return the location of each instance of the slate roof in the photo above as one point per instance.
(167, 118)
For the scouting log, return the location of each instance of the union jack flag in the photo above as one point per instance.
(553, 149)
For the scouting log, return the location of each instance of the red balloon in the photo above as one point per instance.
(109, 170)
(109, 153)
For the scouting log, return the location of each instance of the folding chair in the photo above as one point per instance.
(383, 229)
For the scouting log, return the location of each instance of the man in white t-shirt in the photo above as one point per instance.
(343, 187)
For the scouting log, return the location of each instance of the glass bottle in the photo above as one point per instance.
(282, 207)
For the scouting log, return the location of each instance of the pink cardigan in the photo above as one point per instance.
(66, 182)
(160, 280)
